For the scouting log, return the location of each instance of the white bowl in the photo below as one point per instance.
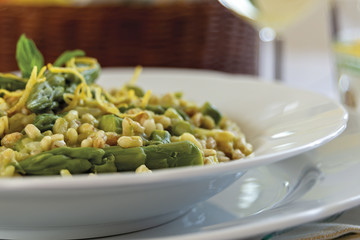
(279, 121)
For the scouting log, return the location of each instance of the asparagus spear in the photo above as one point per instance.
(49, 164)
(76, 160)
(45, 121)
(126, 159)
(159, 137)
(47, 95)
(176, 154)
(110, 123)
(111, 159)
(181, 127)
(169, 155)
(90, 74)
(210, 110)
(138, 91)
(156, 109)
(11, 83)
(108, 166)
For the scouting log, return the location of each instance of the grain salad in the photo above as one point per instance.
(55, 120)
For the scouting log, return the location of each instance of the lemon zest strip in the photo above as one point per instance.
(137, 72)
(17, 93)
(146, 98)
(66, 70)
(30, 84)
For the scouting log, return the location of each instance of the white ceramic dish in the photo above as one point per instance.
(309, 187)
(280, 122)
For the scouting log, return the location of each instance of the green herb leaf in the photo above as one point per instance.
(28, 56)
(67, 55)
(253, 3)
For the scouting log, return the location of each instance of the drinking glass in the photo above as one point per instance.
(271, 18)
(346, 45)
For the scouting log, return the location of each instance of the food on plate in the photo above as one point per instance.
(55, 120)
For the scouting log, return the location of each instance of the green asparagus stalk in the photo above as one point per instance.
(159, 137)
(47, 95)
(48, 164)
(156, 109)
(210, 110)
(111, 123)
(169, 155)
(91, 74)
(126, 159)
(76, 160)
(181, 127)
(176, 154)
(107, 167)
(45, 121)
(11, 83)
(111, 159)
(138, 91)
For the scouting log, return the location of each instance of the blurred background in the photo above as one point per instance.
(173, 33)
(169, 33)
(308, 56)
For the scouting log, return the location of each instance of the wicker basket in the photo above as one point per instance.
(199, 34)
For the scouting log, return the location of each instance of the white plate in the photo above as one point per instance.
(309, 187)
(280, 122)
